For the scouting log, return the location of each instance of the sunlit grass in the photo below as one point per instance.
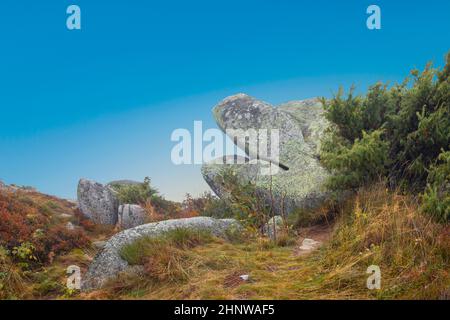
(376, 227)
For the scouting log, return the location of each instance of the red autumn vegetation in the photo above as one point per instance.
(28, 219)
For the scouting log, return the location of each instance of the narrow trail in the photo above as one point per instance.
(312, 238)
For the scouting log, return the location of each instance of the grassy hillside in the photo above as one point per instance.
(388, 150)
(375, 226)
(37, 246)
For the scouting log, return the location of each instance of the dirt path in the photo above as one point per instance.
(311, 238)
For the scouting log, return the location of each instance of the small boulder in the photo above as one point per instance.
(309, 244)
(97, 202)
(130, 216)
(108, 263)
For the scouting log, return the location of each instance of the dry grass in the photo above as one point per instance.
(375, 227)
(46, 278)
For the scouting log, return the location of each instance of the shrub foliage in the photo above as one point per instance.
(29, 234)
(400, 132)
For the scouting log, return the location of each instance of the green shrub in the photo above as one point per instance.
(357, 164)
(135, 193)
(144, 194)
(394, 132)
(436, 199)
(244, 200)
(208, 205)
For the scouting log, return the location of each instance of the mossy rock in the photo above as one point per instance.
(301, 125)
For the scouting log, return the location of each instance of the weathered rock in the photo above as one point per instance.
(108, 263)
(309, 114)
(244, 112)
(309, 244)
(97, 202)
(301, 125)
(130, 216)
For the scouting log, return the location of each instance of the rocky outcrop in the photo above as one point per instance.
(244, 112)
(97, 202)
(15, 188)
(130, 216)
(301, 125)
(108, 263)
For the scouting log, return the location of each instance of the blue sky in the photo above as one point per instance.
(101, 102)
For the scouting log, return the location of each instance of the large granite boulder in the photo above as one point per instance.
(98, 202)
(246, 113)
(301, 125)
(130, 216)
(108, 263)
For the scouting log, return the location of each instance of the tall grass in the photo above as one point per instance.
(387, 229)
(374, 227)
(165, 258)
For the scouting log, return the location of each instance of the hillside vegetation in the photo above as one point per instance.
(400, 132)
(37, 244)
(387, 151)
(376, 226)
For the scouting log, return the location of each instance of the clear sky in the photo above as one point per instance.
(101, 102)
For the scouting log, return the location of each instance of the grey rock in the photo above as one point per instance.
(309, 114)
(309, 244)
(244, 112)
(301, 125)
(130, 216)
(108, 263)
(97, 202)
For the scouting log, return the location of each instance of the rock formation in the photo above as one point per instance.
(301, 125)
(108, 263)
(98, 202)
